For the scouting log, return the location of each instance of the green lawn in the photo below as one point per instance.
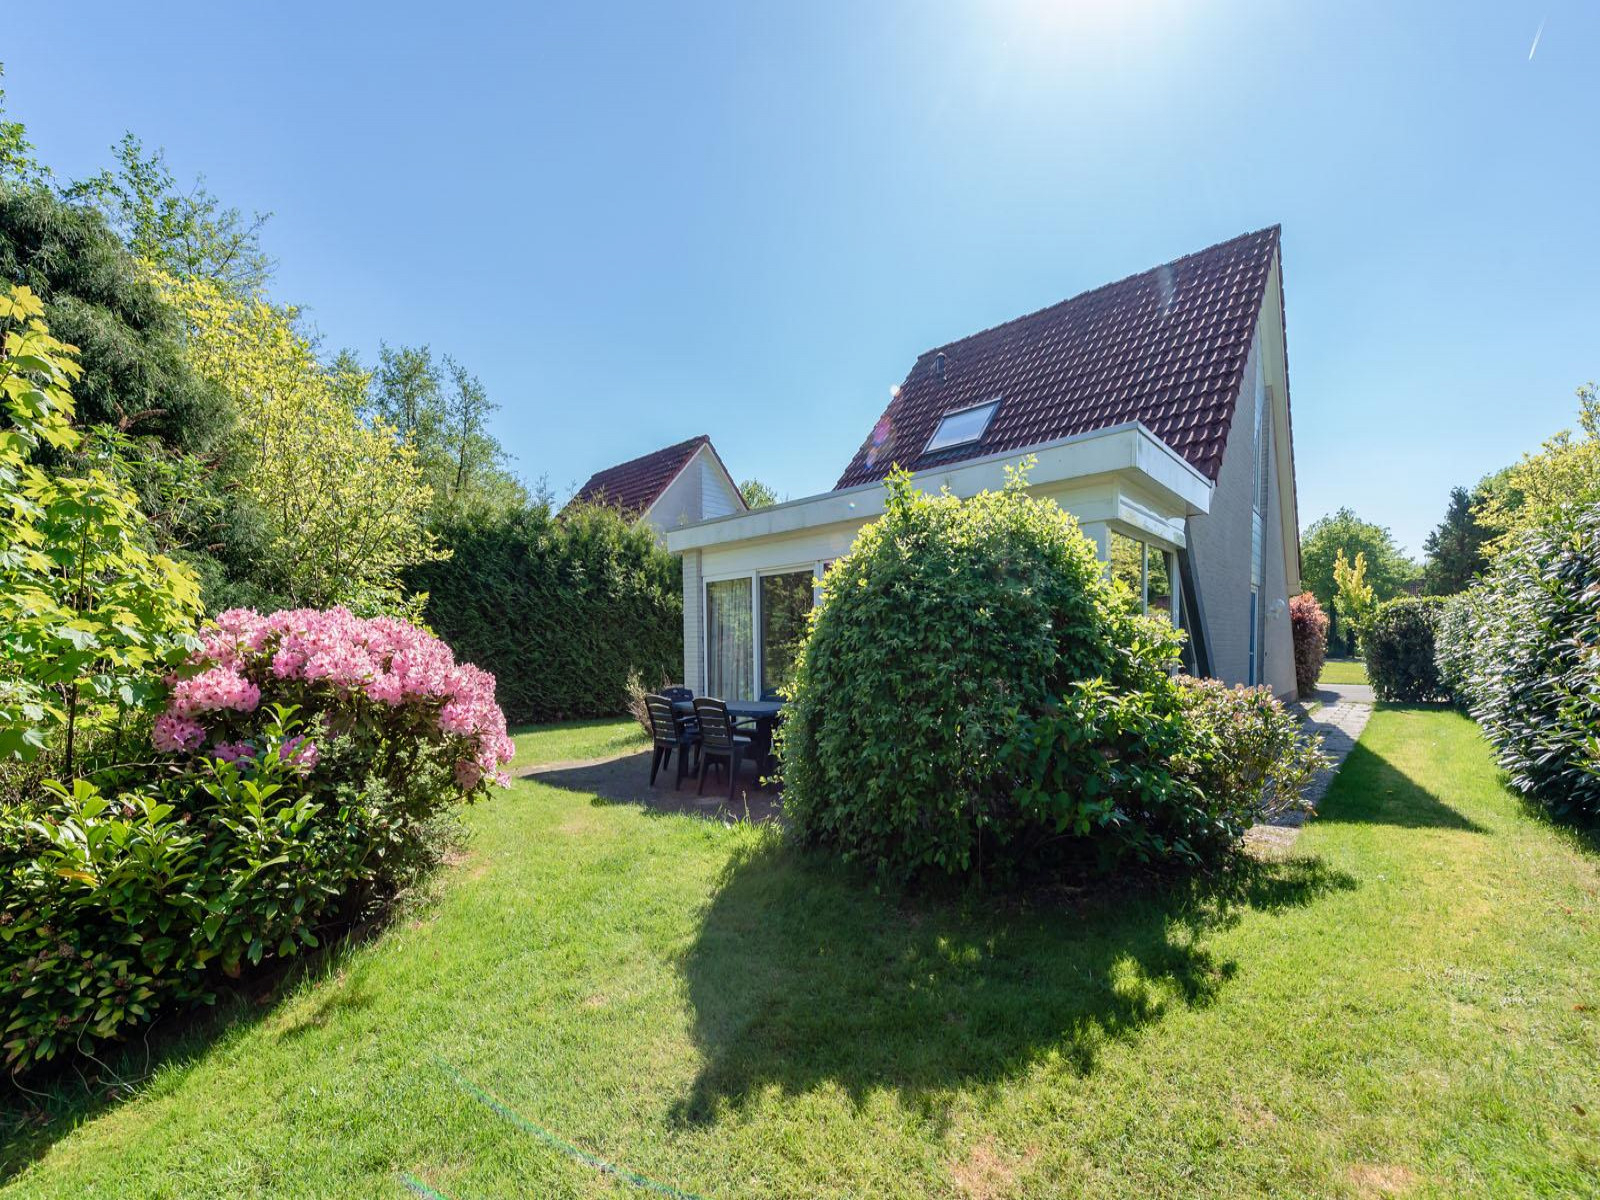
(1343, 670)
(1407, 1006)
(573, 741)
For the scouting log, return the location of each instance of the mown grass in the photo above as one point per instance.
(1343, 670)
(575, 741)
(1407, 1005)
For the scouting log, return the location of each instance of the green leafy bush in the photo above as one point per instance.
(1250, 757)
(1310, 626)
(300, 814)
(1455, 641)
(90, 616)
(976, 697)
(1398, 640)
(561, 609)
(1524, 646)
(117, 905)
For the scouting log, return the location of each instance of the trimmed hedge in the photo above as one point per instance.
(561, 609)
(1524, 649)
(1310, 626)
(1398, 641)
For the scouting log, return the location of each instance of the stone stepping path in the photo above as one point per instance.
(1340, 720)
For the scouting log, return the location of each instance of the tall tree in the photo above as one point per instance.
(442, 411)
(1353, 595)
(98, 297)
(1389, 571)
(1454, 550)
(171, 430)
(186, 231)
(757, 494)
(17, 163)
(345, 498)
(1563, 474)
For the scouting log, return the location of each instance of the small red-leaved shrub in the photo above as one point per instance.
(1310, 625)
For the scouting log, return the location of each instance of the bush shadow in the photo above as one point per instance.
(626, 780)
(801, 977)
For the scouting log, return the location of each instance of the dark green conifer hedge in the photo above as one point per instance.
(561, 609)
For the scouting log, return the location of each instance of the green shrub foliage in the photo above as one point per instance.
(561, 609)
(119, 903)
(1522, 649)
(1248, 756)
(1398, 640)
(316, 766)
(1455, 641)
(975, 697)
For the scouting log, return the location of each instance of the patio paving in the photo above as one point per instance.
(625, 779)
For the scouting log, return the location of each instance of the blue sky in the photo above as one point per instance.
(638, 223)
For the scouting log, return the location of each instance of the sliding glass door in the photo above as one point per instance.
(755, 625)
(730, 642)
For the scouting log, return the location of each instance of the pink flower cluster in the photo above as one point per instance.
(381, 661)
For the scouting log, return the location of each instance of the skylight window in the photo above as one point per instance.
(961, 427)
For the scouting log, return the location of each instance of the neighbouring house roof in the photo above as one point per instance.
(635, 485)
(1166, 348)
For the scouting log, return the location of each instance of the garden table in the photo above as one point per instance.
(763, 714)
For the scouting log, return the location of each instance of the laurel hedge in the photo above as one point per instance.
(1522, 649)
(561, 608)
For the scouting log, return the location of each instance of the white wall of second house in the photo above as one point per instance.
(681, 502)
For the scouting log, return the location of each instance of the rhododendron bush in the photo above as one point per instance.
(380, 682)
(312, 765)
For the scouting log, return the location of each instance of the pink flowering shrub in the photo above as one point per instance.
(318, 764)
(380, 682)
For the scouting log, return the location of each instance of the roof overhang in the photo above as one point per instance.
(1162, 488)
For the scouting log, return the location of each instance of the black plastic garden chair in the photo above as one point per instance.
(718, 742)
(669, 732)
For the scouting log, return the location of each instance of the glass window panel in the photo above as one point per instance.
(1160, 587)
(959, 428)
(785, 602)
(1256, 530)
(1127, 562)
(730, 642)
(1255, 624)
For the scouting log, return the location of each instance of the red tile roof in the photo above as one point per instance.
(1166, 347)
(635, 485)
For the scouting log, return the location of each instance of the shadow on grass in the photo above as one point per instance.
(1371, 790)
(626, 780)
(801, 977)
(65, 1095)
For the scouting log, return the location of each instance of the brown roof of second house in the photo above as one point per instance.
(1166, 347)
(635, 485)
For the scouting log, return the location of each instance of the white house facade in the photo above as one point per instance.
(1157, 412)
